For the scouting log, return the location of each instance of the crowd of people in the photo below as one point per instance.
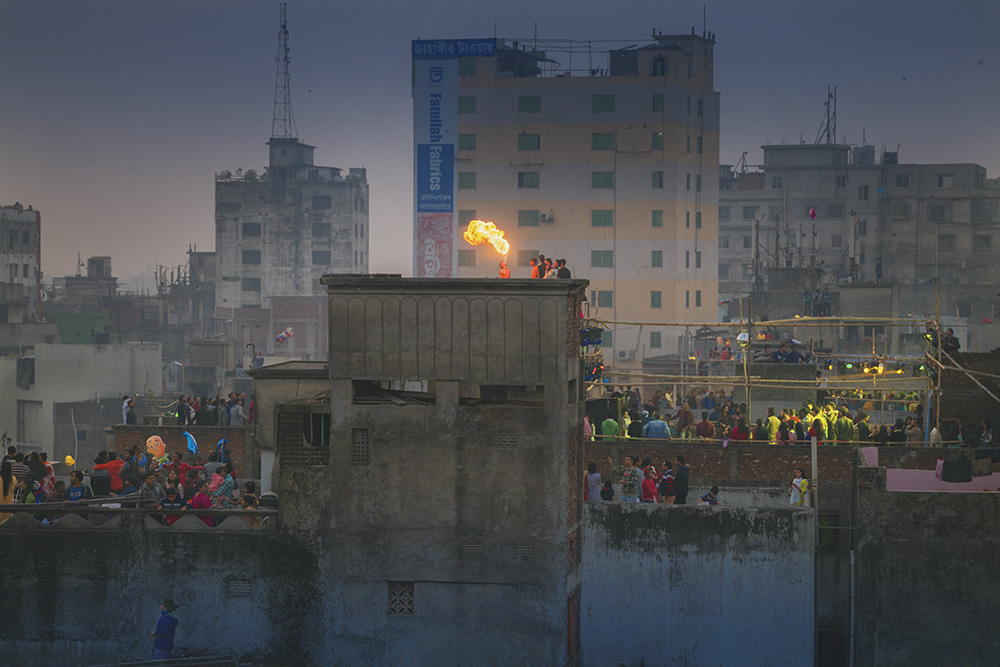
(546, 267)
(218, 411)
(723, 419)
(131, 480)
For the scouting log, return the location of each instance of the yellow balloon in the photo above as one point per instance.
(70, 460)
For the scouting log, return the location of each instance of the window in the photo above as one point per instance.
(982, 211)
(602, 141)
(465, 217)
(697, 298)
(657, 180)
(602, 258)
(607, 338)
(687, 298)
(657, 66)
(700, 145)
(723, 214)
(656, 299)
(900, 211)
(944, 180)
(251, 256)
(935, 212)
(657, 218)
(527, 219)
(529, 142)
(251, 284)
(321, 258)
(687, 182)
(697, 220)
(749, 212)
(251, 229)
(466, 180)
(466, 142)
(321, 202)
(982, 242)
(24, 270)
(401, 599)
(723, 241)
(946, 242)
(602, 103)
(655, 340)
(697, 259)
(524, 257)
(777, 182)
(361, 448)
(982, 275)
(841, 180)
(321, 230)
(466, 257)
(313, 174)
(687, 259)
(747, 242)
(657, 141)
(837, 241)
(467, 67)
(688, 144)
(602, 218)
(605, 299)
(527, 180)
(965, 310)
(697, 183)
(701, 108)
(687, 219)
(863, 192)
(902, 180)
(657, 101)
(656, 259)
(466, 104)
(529, 103)
(602, 179)
(723, 272)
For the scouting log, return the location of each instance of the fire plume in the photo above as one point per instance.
(480, 232)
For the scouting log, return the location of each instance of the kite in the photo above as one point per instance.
(192, 443)
(70, 461)
(284, 335)
(220, 450)
(155, 446)
(978, 64)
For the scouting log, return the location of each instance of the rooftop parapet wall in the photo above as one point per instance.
(385, 328)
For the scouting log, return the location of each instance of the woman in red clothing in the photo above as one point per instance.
(815, 432)
(740, 431)
(202, 501)
(649, 490)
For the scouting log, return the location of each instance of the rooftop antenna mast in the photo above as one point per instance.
(828, 128)
(283, 124)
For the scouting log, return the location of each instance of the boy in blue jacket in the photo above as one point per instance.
(163, 642)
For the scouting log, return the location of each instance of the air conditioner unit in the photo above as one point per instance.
(626, 354)
(960, 264)
(546, 217)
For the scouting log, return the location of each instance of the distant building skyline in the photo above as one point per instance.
(116, 139)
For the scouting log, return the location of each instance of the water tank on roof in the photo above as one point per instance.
(864, 155)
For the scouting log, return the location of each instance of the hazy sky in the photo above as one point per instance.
(116, 114)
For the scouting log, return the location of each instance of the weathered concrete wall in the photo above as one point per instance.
(926, 576)
(697, 585)
(67, 373)
(84, 596)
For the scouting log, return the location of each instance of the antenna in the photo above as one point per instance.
(828, 128)
(283, 123)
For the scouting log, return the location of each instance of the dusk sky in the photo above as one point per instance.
(116, 115)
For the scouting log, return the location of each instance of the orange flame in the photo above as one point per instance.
(482, 231)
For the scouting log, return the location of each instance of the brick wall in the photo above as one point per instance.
(293, 449)
(755, 464)
(125, 437)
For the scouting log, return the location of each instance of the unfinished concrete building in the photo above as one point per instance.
(433, 510)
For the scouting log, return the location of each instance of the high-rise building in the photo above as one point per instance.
(277, 233)
(21, 253)
(605, 158)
